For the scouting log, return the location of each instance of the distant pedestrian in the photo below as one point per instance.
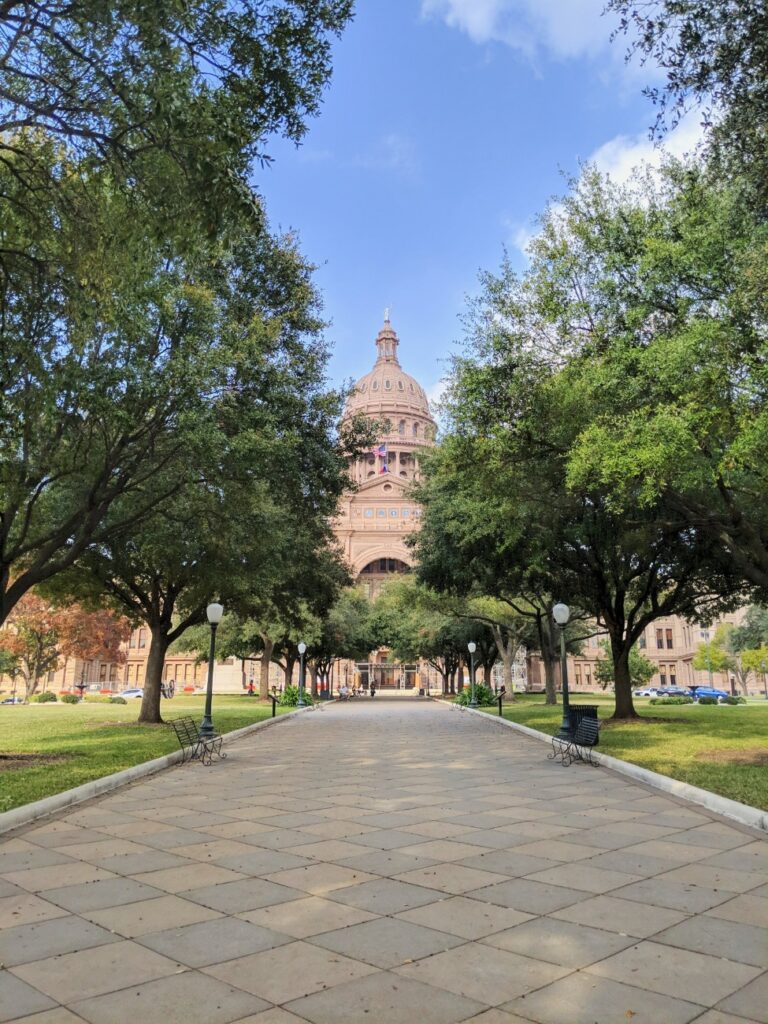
(373, 689)
(251, 689)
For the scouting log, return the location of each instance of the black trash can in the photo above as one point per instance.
(578, 711)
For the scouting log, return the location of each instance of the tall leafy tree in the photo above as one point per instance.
(176, 99)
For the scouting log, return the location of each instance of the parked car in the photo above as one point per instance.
(135, 691)
(647, 691)
(12, 700)
(673, 691)
(708, 691)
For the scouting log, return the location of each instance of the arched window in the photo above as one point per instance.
(387, 385)
(415, 429)
(401, 427)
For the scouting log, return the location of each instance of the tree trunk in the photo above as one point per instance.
(460, 681)
(623, 684)
(288, 670)
(507, 655)
(150, 702)
(313, 678)
(266, 661)
(549, 657)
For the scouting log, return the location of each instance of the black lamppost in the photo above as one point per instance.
(302, 652)
(561, 613)
(472, 647)
(214, 612)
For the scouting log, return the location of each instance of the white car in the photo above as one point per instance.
(648, 691)
(133, 692)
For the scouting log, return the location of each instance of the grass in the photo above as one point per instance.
(696, 744)
(75, 743)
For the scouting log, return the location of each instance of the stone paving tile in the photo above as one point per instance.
(301, 918)
(386, 862)
(508, 862)
(212, 849)
(383, 839)
(327, 849)
(111, 892)
(587, 999)
(451, 878)
(289, 972)
(446, 850)
(559, 942)
(261, 861)
(154, 915)
(211, 942)
(675, 894)
(720, 879)
(485, 974)
(274, 1016)
(193, 876)
(751, 857)
(530, 897)
(16, 861)
(320, 878)
(622, 916)
(441, 830)
(62, 838)
(384, 896)
(385, 998)
(94, 972)
(558, 849)
(191, 998)
(42, 879)
(584, 876)
(659, 968)
(42, 939)
(749, 909)
(387, 942)
(497, 1016)
(750, 1001)
(56, 1016)
(466, 918)
(25, 909)
(102, 849)
(17, 999)
(716, 1017)
(243, 894)
(743, 943)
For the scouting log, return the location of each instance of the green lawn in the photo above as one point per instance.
(95, 739)
(699, 745)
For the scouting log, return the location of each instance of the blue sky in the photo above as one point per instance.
(442, 135)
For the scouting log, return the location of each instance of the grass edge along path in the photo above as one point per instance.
(66, 745)
(720, 748)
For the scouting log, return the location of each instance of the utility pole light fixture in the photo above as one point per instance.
(472, 647)
(302, 651)
(214, 613)
(561, 613)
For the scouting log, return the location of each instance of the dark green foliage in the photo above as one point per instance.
(708, 700)
(290, 697)
(734, 700)
(484, 695)
(45, 698)
(671, 700)
(70, 698)
(116, 700)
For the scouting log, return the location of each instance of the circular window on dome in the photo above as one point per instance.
(387, 385)
(387, 487)
(375, 386)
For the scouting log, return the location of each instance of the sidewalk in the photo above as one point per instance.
(388, 862)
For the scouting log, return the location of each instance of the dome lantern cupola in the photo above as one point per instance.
(387, 342)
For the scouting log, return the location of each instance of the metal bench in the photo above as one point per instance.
(193, 745)
(578, 746)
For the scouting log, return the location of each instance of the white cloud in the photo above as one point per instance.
(621, 155)
(393, 152)
(564, 28)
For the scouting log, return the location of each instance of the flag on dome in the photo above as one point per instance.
(384, 468)
(380, 450)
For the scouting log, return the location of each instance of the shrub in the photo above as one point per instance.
(671, 700)
(45, 698)
(290, 697)
(707, 700)
(70, 698)
(734, 700)
(483, 694)
(117, 700)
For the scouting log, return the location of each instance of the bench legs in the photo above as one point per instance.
(207, 749)
(566, 751)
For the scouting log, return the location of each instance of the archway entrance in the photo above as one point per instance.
(386, 674)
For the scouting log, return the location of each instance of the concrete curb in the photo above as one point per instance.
(70, 797)
(742, 813)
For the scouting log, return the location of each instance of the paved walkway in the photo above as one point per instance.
(391, 863)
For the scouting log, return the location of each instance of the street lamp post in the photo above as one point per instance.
(561, 613)
(472, 647)
(302, 652)
(765, 684)
(214, 612)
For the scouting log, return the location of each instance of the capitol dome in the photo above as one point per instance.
(387, 388)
